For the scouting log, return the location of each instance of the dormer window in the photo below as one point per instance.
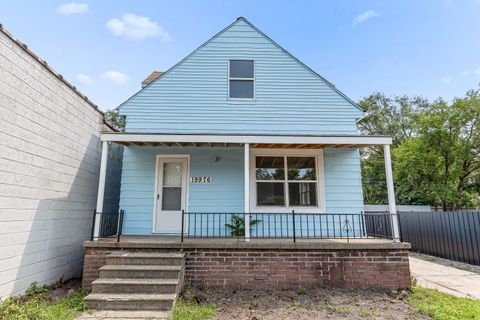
(241, 79)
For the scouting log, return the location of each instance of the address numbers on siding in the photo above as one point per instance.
(201, 179)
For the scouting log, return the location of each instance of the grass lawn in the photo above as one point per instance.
(184, 310)
(44, 304)
(65, 301)
(442, 306)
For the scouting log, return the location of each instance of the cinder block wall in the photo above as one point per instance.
(49, 164)
(281, 269)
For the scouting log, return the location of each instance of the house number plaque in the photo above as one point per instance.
(201, 179)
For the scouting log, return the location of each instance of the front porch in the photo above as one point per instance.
(126, 242)
(245, 211)
(272, 186)
(268, 263)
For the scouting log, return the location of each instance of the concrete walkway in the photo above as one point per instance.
(123, 315)
(447, 279)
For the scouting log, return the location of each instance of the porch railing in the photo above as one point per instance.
(290, 225)
(111, 224)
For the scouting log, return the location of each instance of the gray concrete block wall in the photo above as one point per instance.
(49, 164)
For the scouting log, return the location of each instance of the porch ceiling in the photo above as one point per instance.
(255, 141)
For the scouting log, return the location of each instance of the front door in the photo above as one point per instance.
(171, 194)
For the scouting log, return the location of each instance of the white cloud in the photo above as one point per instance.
(84, 79)
(72, 8)
(468, 72)
(115, 77)
(446, 80)
(136, 27)
(448, 3)
(361, 18)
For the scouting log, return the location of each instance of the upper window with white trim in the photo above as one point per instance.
(286, 181)
(241, 79)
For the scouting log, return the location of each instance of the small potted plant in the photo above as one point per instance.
(237, 225)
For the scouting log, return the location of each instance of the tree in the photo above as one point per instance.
(392, 116)
(440, 165)
(115, 120)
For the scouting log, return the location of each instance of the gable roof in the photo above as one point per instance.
(330, 84)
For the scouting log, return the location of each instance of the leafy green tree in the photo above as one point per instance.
(115, 120)
(392, 116)
(440, 165)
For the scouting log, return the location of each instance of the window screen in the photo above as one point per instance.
(241, 81)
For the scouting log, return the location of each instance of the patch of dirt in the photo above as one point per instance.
(62, 289)
(325, 303)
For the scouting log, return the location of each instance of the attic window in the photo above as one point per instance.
(241, 79)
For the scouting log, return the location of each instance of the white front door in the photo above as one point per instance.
(171, 197)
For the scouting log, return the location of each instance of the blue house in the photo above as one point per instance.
(239, 140)
(241, 135)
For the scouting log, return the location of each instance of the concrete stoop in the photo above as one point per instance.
(138, 281)
(123, 315)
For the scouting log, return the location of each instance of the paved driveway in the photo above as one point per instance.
(447, 279)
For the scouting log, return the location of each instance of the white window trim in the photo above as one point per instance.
(317, 153)
(157, 182)
(248, 79)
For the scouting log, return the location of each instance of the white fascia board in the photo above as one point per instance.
(273, 139)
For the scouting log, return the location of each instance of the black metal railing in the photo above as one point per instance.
(211, 225)
(111, 224)
(378, 224)
(291, 225)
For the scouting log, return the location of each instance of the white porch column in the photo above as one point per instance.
(391, 193)
(101, 188)
(247, 190)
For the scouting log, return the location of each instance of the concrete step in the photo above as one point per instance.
(145, 258)
(136, 271)
(144, 286)
(117, 301)
(123, 315)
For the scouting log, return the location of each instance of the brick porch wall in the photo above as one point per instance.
(282, 269)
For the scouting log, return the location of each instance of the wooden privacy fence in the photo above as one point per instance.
(453, 235)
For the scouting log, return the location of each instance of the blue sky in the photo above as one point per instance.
(106, 48)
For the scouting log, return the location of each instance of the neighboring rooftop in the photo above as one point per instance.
(152, 77)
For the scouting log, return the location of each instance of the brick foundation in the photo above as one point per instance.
(280, 268)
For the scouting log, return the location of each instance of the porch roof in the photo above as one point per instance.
(255, 141)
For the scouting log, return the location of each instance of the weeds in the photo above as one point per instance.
(35, 304)
(302, 291)
(192, 311)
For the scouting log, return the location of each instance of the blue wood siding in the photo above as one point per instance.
(193, 96)
(225, 193)
(343, 180)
